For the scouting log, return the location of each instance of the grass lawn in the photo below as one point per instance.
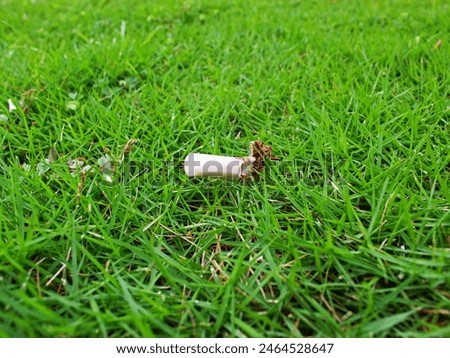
(347, 235)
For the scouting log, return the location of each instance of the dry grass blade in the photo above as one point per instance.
(127, 149)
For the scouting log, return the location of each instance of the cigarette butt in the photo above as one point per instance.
(203, 165)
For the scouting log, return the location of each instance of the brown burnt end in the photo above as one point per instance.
(260, 151)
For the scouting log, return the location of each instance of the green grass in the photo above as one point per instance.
(347, 235)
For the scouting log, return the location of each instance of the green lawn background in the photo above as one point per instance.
(346, 236)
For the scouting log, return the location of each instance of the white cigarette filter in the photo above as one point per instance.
(203, 165)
